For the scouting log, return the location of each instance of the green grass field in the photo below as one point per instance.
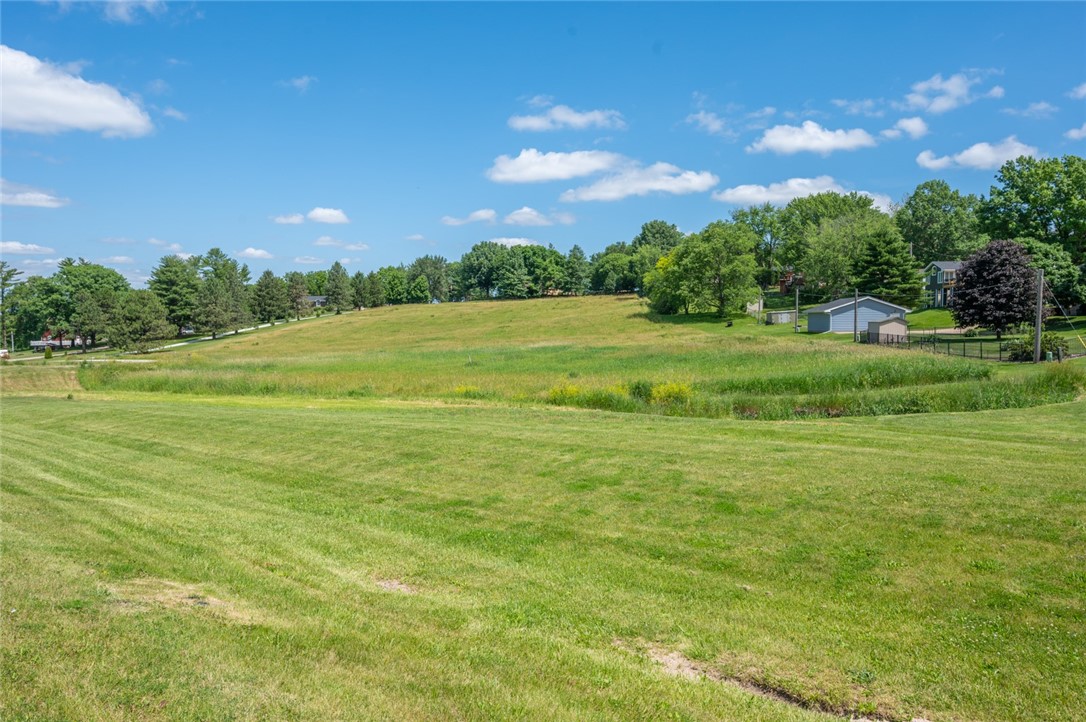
(359, 539)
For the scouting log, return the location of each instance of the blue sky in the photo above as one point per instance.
(296, 134)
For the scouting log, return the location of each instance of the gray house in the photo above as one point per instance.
(839, 316)
(940, 277)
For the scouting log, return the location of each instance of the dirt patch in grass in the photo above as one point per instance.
(139, 595)
(676, 664)
(395, 585)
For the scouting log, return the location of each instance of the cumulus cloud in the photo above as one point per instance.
(17, 194)
(1078, 92)
(1039, 110)
(301, 84)
(981, 156)
(532, 166)
(483, 215)
(778, 193)
(1076, 133)
(171, 112)
(781, 193)
(415, 237)
(563, 116)
(527, 216)
(174, 248)
(251, 252)
(43, 98)
(939, 95)
(637, 180)
(308, 260)
(866, 106)
(327, 215)
(290, 219)
(24, 249)
(810, 137)
(510, 242)
(711, 123)
(914, 127)
(119, 260)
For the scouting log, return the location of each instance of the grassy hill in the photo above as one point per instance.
(183, 543)
(599, 352)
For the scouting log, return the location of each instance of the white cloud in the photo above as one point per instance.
(483, 215)
(866, 106)
(527, 216)
(128, 11)
(531, 166)
(1039, 110)
(415, 237)
(349, 261)
(328, 241)
(251, 252)
(914, 127)
(939, 95)
(1076, 133)
(171, 112)
(563, 116)
(810, 137)
(637, 180)
(290, 219)
(44, 263)
(778, 193)
(1078, 92)
(711, 123)
(765, 112)
(301, 84)
(24, 249)
(510, 242)
(119, 260)
(982, 156)
(928, 159)
(42, 98)
(17, 194)
(308, 260)
(327, 215)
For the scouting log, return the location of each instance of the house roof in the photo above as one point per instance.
(946, 265)
(841, 302)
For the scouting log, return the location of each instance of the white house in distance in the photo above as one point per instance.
(846, 314)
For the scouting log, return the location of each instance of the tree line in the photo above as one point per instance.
(837, 241)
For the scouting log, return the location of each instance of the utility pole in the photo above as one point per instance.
(856, 315)
(797, 309)
(1040, 312)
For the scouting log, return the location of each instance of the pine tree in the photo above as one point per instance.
(887, 270)
(338, 288)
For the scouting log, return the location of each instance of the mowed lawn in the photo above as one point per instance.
(177, 557)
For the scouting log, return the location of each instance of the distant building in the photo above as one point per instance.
(789, 281)
(940, 277)
(773, 317)
(316, 301)
(892, 329)
(844, 314)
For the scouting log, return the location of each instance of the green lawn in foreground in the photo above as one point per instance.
(168, 558)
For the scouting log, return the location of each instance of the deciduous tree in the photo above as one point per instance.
(996, 288)
(939, 224)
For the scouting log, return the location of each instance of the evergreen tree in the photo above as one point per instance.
(270, 300)
(213, 310)
(513, 279)
(139, 321)
(575, 272)
(297, 290)
(358, 283)
(340, 295)
(8, 279)
(176, 282)
(886, 270)
(373, 291)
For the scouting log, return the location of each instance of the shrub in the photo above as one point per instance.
(641, 390)
(970, 333)
(1021, 349)
(564, 395)
(48, 352)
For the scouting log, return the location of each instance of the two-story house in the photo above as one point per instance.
(940, 277)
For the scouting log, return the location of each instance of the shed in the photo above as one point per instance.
(773, 317)
(888, 330)
(838, 316)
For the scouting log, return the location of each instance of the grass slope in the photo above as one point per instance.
(592, 352)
